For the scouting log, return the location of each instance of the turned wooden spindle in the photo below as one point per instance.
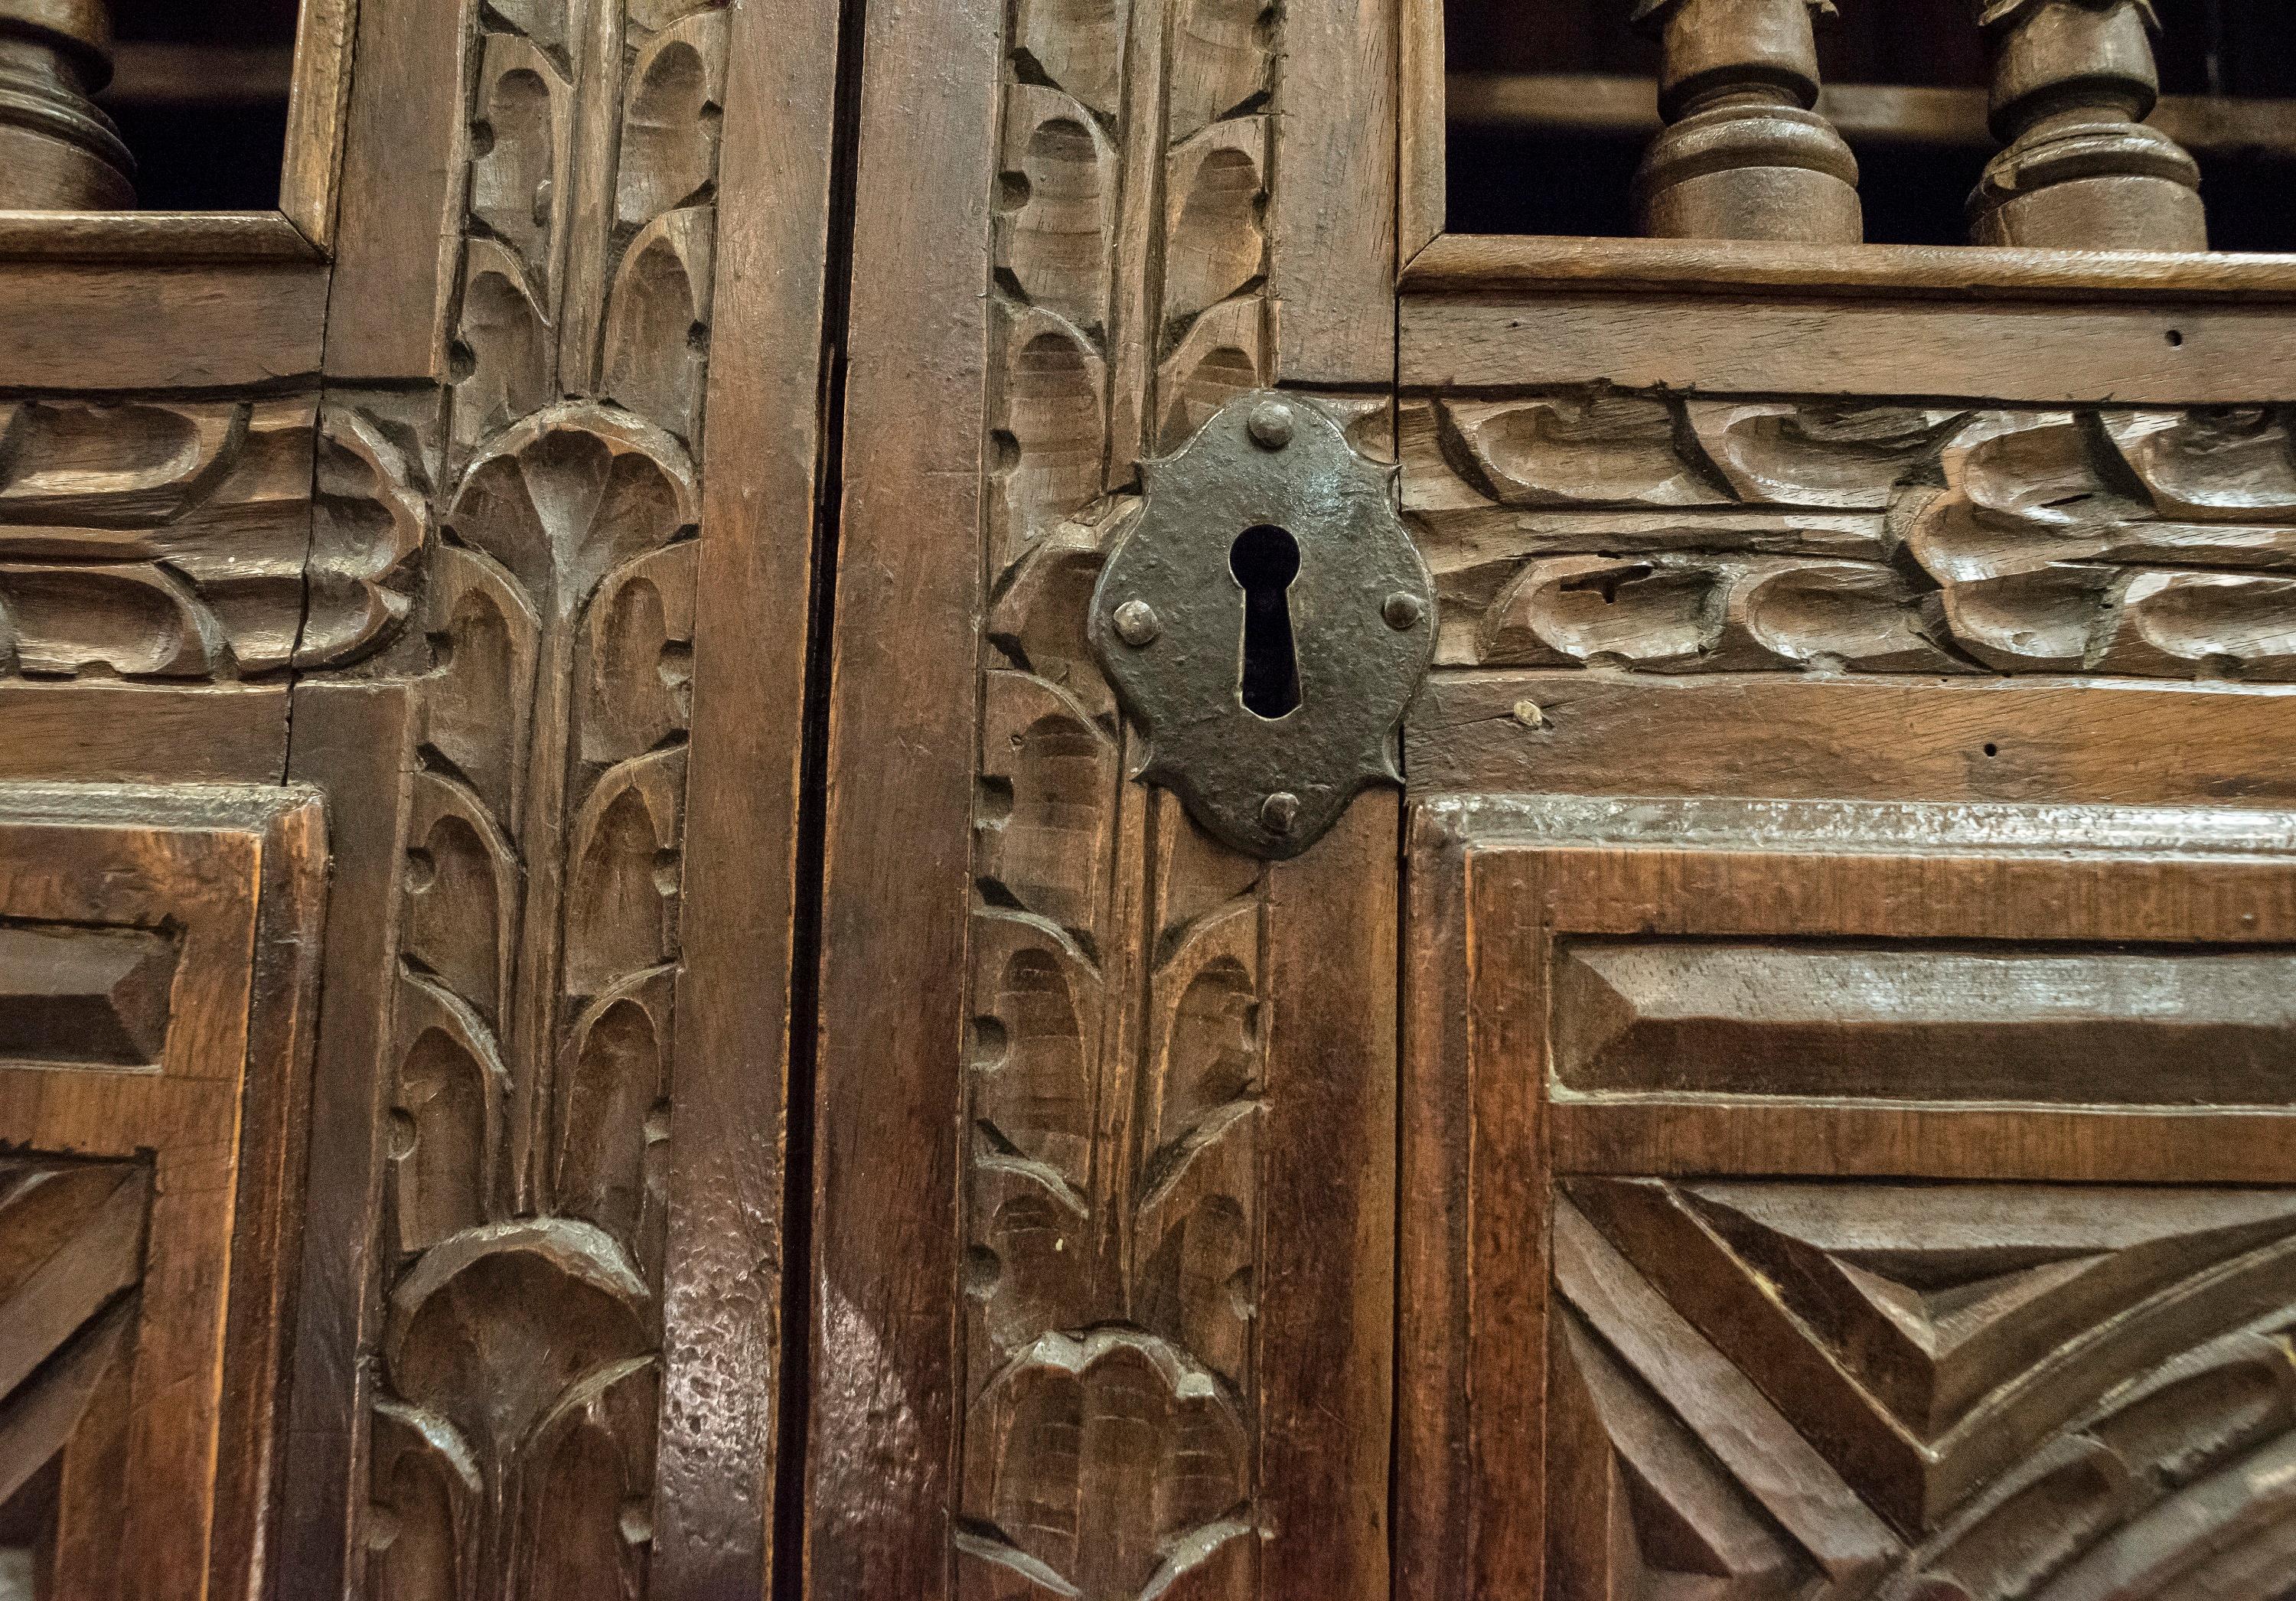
(2072, 83)
(58, 150)
(1743, 156)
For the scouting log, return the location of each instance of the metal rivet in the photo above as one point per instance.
(1401, 610)
(1269, 426)
(1279, 811)
(1136, 623)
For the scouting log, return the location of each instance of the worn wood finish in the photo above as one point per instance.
(722, 1370)
(398, 218)
(2115, 741)
(58, 150)
(2072, 83)
(1601, 527)
(2168, 352)
(165, 942)
(1753, 1355)
(554, 491)
(356, 743)
(1124, 1084)
(1743, 156)
(97, 732)
(1874, 114)
(886, 1390)
(222, 325)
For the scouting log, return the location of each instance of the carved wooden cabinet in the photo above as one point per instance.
(603, 996)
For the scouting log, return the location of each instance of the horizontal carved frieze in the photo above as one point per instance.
(1673, 533)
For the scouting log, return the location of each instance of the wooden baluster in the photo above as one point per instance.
(2072, 82)
(1743, 156)
(58, 150)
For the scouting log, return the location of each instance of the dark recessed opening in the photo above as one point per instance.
(1264, 560)
(1553, 104)
(199, 90)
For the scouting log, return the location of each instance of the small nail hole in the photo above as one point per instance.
(2176, 337)
(1992, 750)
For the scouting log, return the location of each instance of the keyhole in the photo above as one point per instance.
(1264, 560)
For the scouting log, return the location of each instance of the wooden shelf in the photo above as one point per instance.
(1869, 113)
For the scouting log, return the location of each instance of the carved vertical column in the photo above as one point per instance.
(58, 151)
(518, 1372)
(1743, 156)
(1114, 1106)
(2072, 81)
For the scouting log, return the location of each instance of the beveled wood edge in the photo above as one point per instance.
(169, 238)
(1602, 732)
(1503, 267)
(1422, 136)
(318, 103)
(1433, 1476)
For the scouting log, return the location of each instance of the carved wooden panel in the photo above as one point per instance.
(71, 1252)
(1984, 1391)
(1682, 534)
(1849, 1199)
(553, 487)
(1111, 1209)
(157, 963)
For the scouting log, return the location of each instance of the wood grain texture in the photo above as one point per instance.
(95, 733)
(317, 103)
(1683, 534)
(1882, 737)
(356, 743)
(2083, 352)
(182, 1476)
(1332, 233)
(716, 1467)
(885, 1390)
(1822, 1388)
(398, 228)
(1494, 264)
(2073, 81)
(214, 325)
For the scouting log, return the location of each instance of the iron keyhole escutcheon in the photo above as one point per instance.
(1264, 560)
(1265, 620)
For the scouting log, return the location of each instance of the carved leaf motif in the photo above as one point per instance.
(163, 541)
(1214, 243)
(1111, 1109)
(1575, 449)
(1783, 453)
(1219, 359)
(1113, 1468)
(658, 321)
(1220, 60)
(1056, 205)
(670, 119)
(1077, 45)
(1050, 428)
(1049, 775)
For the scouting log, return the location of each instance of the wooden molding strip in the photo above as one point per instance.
(175, 237)
(1494, 264)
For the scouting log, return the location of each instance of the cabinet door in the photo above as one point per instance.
(159, 958)
(1847, 1199)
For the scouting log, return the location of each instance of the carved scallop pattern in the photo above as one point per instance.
(1658, 532)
